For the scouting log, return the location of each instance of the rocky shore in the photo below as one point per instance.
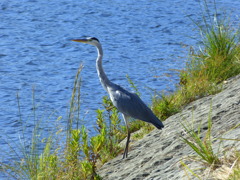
(157, 156)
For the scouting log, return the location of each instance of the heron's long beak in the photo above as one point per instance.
(80, 40)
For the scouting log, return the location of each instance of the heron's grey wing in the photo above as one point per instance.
(131, 105)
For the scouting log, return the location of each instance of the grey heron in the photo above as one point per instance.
(129, 104)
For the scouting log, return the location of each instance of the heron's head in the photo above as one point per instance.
(89, 40)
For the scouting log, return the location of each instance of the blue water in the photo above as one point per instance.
(145, 39)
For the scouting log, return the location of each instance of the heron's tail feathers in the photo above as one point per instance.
(151, 118)
(157, 123)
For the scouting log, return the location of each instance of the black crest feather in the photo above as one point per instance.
(93, 38)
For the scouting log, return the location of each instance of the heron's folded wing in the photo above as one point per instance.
(131, 105)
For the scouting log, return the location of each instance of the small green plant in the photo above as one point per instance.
(111, 132)
(218, 57)
(48, 162)
(201, 146)
(225, 167)
(36, 158)
(165, 106)
(187, 170)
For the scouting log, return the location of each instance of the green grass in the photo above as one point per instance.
(33, 153)
(216, 60)
(208, 67)
(79, 155)
(202, 147)
(219, 164)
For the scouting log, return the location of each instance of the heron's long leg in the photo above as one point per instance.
(125, 154)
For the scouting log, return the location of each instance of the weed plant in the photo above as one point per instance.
(218, 164)
(79, 156)
(216, 60)
(202, 146)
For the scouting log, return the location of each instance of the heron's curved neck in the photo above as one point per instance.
(101, 74)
